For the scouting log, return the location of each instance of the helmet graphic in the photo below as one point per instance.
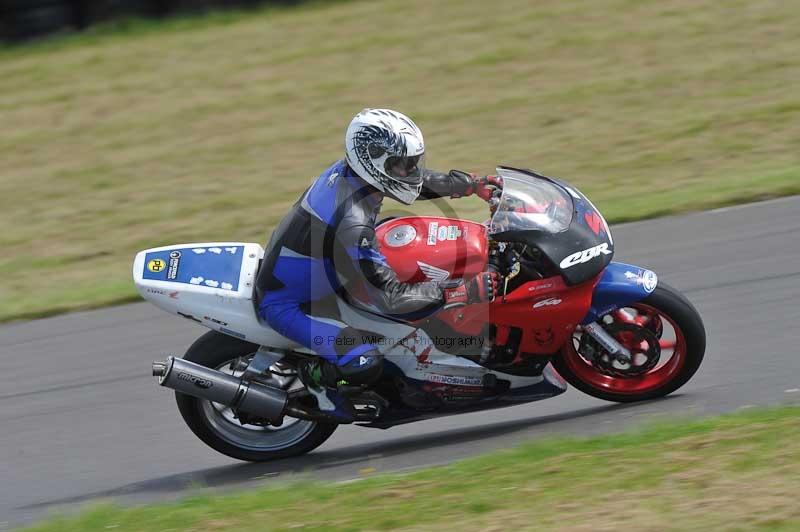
(385, 148)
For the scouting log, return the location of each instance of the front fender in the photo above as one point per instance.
(620, 285)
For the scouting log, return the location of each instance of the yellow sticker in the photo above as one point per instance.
(156, 265)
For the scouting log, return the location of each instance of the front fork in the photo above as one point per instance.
(620, 285)
(608, 342)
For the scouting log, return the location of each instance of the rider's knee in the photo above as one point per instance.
(363, 369)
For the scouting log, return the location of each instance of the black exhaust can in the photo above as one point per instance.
(206, 383)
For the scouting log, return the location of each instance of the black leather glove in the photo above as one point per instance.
(462, 183)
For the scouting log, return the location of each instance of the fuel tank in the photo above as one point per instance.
(424, 248)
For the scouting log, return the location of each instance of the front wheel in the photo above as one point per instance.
(663, 331)
(218, 426)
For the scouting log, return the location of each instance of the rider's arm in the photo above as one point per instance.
(410, 301)
(363, 262)
(455, 184)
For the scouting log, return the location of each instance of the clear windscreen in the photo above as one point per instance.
(530, 203)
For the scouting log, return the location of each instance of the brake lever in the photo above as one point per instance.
(493, 204)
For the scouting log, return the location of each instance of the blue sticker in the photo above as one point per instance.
(215, 267)
(232, 333)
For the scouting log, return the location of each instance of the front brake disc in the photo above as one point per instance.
(640, 341)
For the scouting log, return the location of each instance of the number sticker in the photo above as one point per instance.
(156, 265)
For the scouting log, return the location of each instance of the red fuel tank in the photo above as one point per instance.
(423, 248)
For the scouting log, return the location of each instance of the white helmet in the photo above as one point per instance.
(385, 148)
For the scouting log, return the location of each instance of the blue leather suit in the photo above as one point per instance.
(324, 246)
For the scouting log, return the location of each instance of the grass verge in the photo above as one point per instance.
(209, 129)
(739, 471)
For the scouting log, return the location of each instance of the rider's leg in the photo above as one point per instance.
(345, 356)
(327, 381)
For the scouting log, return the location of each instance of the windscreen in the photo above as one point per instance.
(530, 203)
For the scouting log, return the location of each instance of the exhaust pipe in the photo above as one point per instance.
(206, 383)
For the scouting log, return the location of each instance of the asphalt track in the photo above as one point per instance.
(82, 419)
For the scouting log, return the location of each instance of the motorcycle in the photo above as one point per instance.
(565, 313)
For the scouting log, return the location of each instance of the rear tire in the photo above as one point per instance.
(670, 304)
(213, 350)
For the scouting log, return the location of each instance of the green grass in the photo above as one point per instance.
(735, 472)
(204, 129)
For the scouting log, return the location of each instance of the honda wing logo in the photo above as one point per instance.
(432, 272)
(584, 256)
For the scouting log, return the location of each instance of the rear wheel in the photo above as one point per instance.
(666, 337)
(218, 426)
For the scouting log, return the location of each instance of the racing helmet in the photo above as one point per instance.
(386, 149)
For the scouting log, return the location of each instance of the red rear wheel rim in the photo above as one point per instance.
(661, 374)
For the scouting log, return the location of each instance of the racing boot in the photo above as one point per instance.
(331, 385)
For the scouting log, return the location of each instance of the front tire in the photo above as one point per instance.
(215, 425)
(686, 340)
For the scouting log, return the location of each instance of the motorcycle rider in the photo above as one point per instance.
(326, 243)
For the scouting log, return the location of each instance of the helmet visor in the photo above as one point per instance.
(405, 169)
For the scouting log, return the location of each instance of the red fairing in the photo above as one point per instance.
(423, 248)
(546, 311)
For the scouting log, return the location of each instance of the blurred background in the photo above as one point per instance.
(27, 19)
(178, 120)
(131, 124)
(168, 121)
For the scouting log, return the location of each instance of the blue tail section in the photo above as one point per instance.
(621, 285)
(217, 266)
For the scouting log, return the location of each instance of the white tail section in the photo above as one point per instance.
(210, 283)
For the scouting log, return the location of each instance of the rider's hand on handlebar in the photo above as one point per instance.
(480, 289)
(462, 184)
(485, 187)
